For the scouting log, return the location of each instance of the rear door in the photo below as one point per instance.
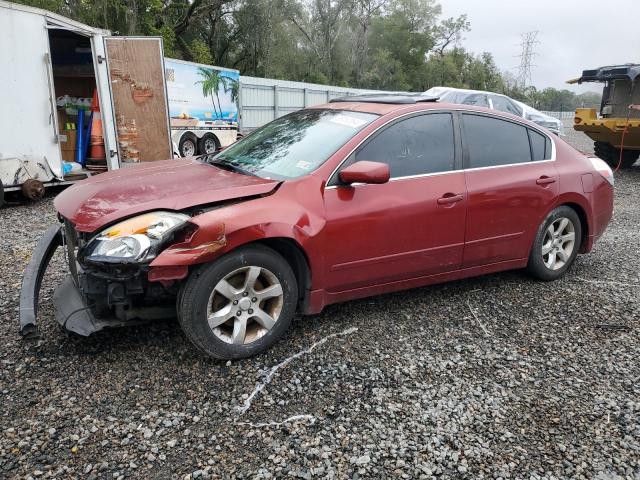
(511, 181)
(411, 226)
(28, 118)
(139, 98)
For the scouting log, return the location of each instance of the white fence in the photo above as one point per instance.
(265, 99)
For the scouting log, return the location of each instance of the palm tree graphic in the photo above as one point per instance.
(211, 80)
(231, 85)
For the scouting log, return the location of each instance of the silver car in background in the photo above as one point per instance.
(496, 101)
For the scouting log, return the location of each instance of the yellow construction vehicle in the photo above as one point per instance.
(615, 130)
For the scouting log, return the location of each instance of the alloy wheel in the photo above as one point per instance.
(558, 243)
(245, 305)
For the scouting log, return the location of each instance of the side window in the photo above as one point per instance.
(493, 142)
(505, 105)
(540, 146)
(415, 146)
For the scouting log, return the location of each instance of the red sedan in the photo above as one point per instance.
(340, 201)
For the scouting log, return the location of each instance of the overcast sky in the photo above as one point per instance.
(573, 35)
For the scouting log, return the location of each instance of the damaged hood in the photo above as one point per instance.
(164, 185)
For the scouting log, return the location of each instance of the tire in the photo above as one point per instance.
(554, 237)
(1, 195)
(188, 146)
(611, 155)
(201, 297)
(208, 144)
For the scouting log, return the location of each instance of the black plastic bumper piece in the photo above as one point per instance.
(73, 313)
(32, 280)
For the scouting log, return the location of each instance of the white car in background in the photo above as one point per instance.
(497, 101)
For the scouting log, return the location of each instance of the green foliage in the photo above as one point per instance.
(400, 45)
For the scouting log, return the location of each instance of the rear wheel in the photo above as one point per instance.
(611, 155)
(556, 244)
(239, 305)
(208, 144)
(188, 146)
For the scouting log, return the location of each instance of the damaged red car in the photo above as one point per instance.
(354, 198)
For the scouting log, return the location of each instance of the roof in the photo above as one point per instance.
(612, 72)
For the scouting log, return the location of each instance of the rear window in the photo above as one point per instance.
(493, 142)
(540, 146)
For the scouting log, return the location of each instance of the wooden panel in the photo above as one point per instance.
(136, 73)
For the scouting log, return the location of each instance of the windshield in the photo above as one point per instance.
(294, 145)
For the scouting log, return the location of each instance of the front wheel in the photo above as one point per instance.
(556, 244)
(239, 305)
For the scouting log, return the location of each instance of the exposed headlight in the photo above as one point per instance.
(134, 239)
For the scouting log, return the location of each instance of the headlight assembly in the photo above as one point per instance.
(135, 239)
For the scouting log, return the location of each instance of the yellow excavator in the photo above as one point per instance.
(615, 130)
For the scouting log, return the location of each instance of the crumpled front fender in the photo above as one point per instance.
(32, 279)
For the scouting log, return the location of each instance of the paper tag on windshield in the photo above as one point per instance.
(347, 121)
(303, 165)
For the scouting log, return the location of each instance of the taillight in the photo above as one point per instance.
(603, 169)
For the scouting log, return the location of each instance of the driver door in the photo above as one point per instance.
(411, 226)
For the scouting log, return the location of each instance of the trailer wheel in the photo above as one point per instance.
(611, 155)
(188, 146)
(208, 144)
(33, 189)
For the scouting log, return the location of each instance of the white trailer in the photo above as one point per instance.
(44, 57)
(203, 106)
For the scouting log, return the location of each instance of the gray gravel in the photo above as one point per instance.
(493, 377)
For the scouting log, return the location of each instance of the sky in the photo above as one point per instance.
(574, 35)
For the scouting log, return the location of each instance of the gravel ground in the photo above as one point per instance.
(493, 377)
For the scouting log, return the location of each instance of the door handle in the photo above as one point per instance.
(449, 198)
(544, 180)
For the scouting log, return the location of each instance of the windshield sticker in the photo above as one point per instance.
(303, 165)
(347, 121)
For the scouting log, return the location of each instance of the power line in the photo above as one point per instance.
(527, 45)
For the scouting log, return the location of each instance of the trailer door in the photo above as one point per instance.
(28, 118)
(139, 98)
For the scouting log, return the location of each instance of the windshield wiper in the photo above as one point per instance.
(231, 167)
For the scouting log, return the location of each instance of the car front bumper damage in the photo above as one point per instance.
(81, 294)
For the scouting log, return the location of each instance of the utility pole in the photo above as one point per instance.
(529, 41)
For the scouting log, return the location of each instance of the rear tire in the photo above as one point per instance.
(188, 146)
(611, 155)
(556, 245)
(239, 305)
(208, 144)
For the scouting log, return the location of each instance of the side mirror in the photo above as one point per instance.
(365, 172)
